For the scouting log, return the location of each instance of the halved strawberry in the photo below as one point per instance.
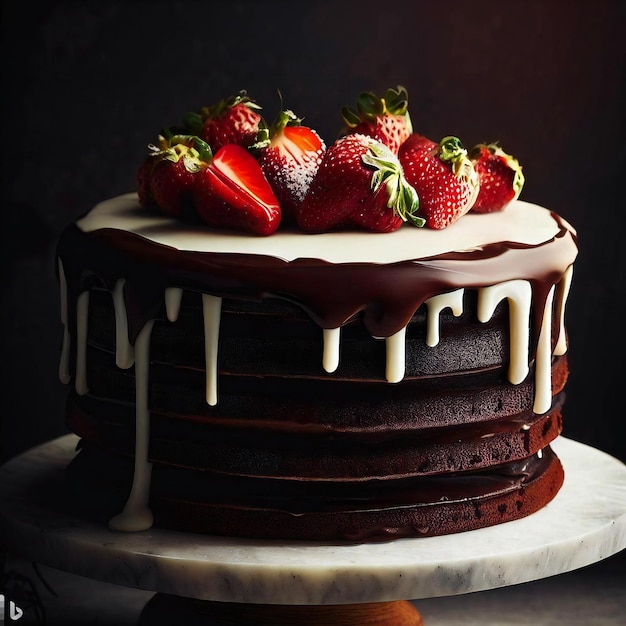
(231, 120)
(359, 184)
(232, 192)
(166, 177)
(500, 176)
(443, 176)
(290, 161)
(385, 118)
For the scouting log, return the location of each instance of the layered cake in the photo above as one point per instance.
(395, 370)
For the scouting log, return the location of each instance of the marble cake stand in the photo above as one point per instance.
(218, 581)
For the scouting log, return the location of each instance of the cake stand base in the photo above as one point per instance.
(218, 581)
(165, 609)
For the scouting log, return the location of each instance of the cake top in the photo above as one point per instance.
(522, 223)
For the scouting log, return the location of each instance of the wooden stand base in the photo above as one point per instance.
(167, 609)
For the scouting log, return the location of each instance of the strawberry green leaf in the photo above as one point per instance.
(203, 149)
(193, 122)
(200, 148)
(513, 163)
(403, 198)
(216, 110)
(263, 135)
(283, 119)
(518, 180)
(451, 149)
(396, 100)
(350, 117)
(370, 105)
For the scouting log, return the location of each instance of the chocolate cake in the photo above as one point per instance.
(336, 386)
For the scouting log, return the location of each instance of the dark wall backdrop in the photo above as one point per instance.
(87, 85)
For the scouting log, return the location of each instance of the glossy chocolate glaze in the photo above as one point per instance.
(388, 294)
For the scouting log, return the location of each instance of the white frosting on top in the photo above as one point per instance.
(521, 222)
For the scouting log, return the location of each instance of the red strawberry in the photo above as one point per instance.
(385, 119)
(290, 161)
(500, 176)
(232, 120)
(443, 176)
(166, 177)
(143, 180)
(232, 192)
(359, 184)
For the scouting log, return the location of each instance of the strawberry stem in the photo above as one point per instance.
(403, 198)
(369, 106)
(201, 148)
(191, 149)
(396, 100)
(283, 119)
(451, 149)
(194, 120)
(263, 135)
(215, 110)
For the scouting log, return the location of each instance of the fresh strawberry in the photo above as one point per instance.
(500, 176)
(143, 181)
(359, 184)
(290, 161)
(231, 120)
(443, 176)
(232, 192)
(386, 118)
(166, 177)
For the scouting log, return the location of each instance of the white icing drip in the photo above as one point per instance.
(543, 360)
(136, 514)
(82, 315)
(330, 359)
(396, 364)
(173, 297)
(212, 310)
(561, 294)
(64, 363)
(452, 300)
(124, 350)
(519, 295)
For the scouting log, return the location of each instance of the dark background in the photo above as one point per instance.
(87, 85)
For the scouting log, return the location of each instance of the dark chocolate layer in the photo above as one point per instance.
(371, 510)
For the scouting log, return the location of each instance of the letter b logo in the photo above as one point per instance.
(14, 611)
